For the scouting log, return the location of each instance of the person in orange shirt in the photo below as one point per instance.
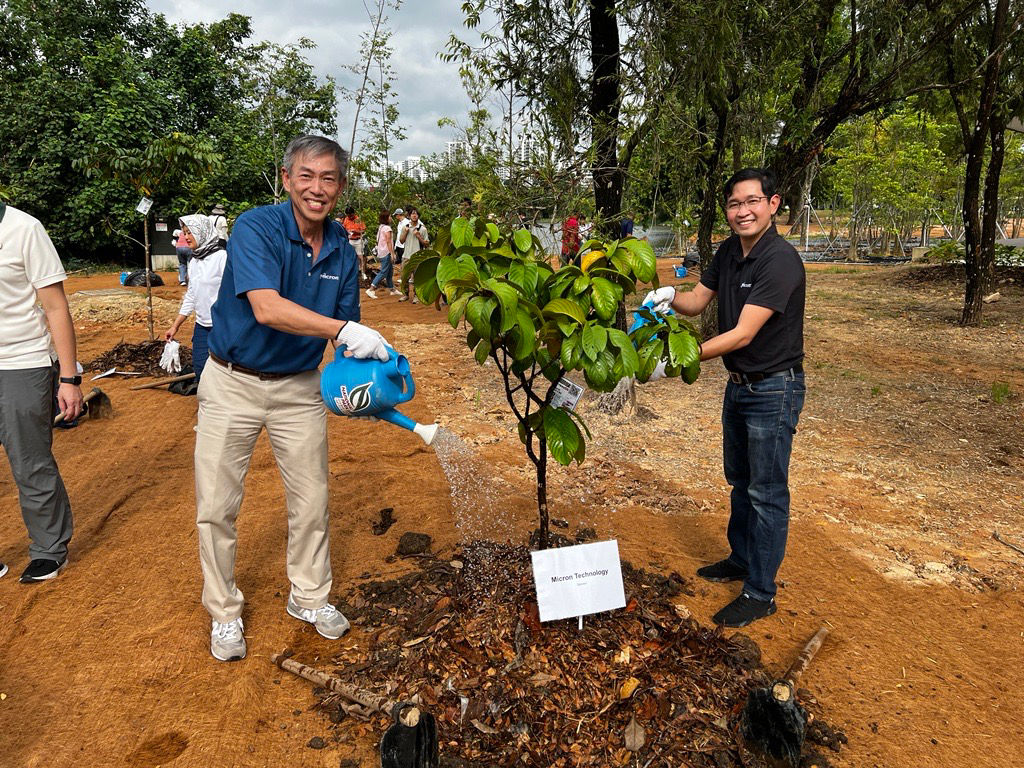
(355, 228)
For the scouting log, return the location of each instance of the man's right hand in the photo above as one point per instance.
(661, 299)
(363, 342)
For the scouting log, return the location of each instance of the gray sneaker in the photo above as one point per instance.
(226, 640)
(328, 620)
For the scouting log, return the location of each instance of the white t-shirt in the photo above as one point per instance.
(28, 261)
(412, 243)
(220, 224)
(204, 276)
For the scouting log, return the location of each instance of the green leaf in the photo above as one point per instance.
(645, 265)
(451, 268)
(492, 232)
(508, 300)
(570, 352)
(426, 281)
(598, 372)
(691, 372)
(605, 297)
(682, 348)
(649, 355)
(526, 335)
(595, 339)
(523, 240)
(462, 232)
(525, 274)
(456, 310)
(562, 435)
(630, 360)
(483, 350)
(580, 284)
(478, 313)
(565, 308)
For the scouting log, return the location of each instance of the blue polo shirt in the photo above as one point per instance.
(267, 251)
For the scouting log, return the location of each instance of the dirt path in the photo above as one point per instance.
(906, 461)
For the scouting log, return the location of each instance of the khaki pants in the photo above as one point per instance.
(233, 408)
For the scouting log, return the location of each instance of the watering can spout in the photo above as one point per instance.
(426, 431)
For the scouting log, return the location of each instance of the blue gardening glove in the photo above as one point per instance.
(363, 342)
(661, 299)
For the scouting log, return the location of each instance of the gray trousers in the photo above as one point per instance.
(26, 433)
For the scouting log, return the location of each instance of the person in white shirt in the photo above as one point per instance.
(30, 271)
(413, 236)
(205, 271)
(220, 222)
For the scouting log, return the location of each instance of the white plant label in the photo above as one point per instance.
(144, 205)
(567, 394)
(578, 581)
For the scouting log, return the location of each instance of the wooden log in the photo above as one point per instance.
(161, 382)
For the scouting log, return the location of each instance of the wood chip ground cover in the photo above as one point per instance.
(645, 686)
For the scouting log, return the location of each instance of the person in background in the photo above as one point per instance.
(626, 226)
(386, 254)
(219, 221)
(32, 272)
(759, 280)
(205, 271)
(570, 239)
(586, 227)
(355, 229)
(184, 254)
(414, 237)
(400, 223)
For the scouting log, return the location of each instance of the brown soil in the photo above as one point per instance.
(907, 459)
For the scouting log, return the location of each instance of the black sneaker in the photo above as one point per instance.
(3, 569)
(744, 610)
(723, 570)
(42, 570)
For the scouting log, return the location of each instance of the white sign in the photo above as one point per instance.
(161, 226)
(578, 581)
(144, 205)
(567, 394)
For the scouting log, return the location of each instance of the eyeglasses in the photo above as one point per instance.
(749, 203)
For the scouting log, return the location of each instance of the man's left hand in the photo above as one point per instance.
(70, 401)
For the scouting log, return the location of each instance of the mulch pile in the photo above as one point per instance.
(143, 357)
(643, 686)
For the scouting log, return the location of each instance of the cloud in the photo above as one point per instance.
(425, 87)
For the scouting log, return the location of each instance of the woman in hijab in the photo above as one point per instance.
(205, 270)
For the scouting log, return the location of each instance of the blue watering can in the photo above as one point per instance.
(368, 387)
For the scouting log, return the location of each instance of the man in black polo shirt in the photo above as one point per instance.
(759, 280)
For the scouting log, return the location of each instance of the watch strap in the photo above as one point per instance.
(76, 380)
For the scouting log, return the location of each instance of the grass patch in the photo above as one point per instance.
(1000, 391)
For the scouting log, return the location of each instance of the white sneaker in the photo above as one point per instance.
(226, 640)
(396, 292)
(328, 620)
(371, 293)
(415, 300)
(403, 297)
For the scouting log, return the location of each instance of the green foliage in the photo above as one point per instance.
(1000, 392)
(537, 323)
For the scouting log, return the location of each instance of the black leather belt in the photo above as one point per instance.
(749, 378)
(261, 375)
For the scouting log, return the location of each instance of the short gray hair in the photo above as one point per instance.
(315, 146)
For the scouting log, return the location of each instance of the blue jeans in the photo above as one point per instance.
(758, 424)
(386, 271)
(184, 254)
(200, 349)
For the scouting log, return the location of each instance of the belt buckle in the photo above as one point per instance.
(736, 378)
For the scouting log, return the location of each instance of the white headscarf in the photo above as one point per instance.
(206, 234)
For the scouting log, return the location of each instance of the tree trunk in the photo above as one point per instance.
(148, 267)
(608, 176)
(542, 493)
(979, 256)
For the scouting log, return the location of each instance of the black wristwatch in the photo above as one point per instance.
(76, 380)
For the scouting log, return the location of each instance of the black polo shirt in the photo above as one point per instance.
(771, 276)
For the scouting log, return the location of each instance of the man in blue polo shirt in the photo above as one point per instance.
(759, 280)
(290, 283)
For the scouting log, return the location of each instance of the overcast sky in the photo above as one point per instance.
(427, 89)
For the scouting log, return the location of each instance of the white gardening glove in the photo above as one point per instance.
(661, 299)
(169, 360)
(363, 342)
(658, 372)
